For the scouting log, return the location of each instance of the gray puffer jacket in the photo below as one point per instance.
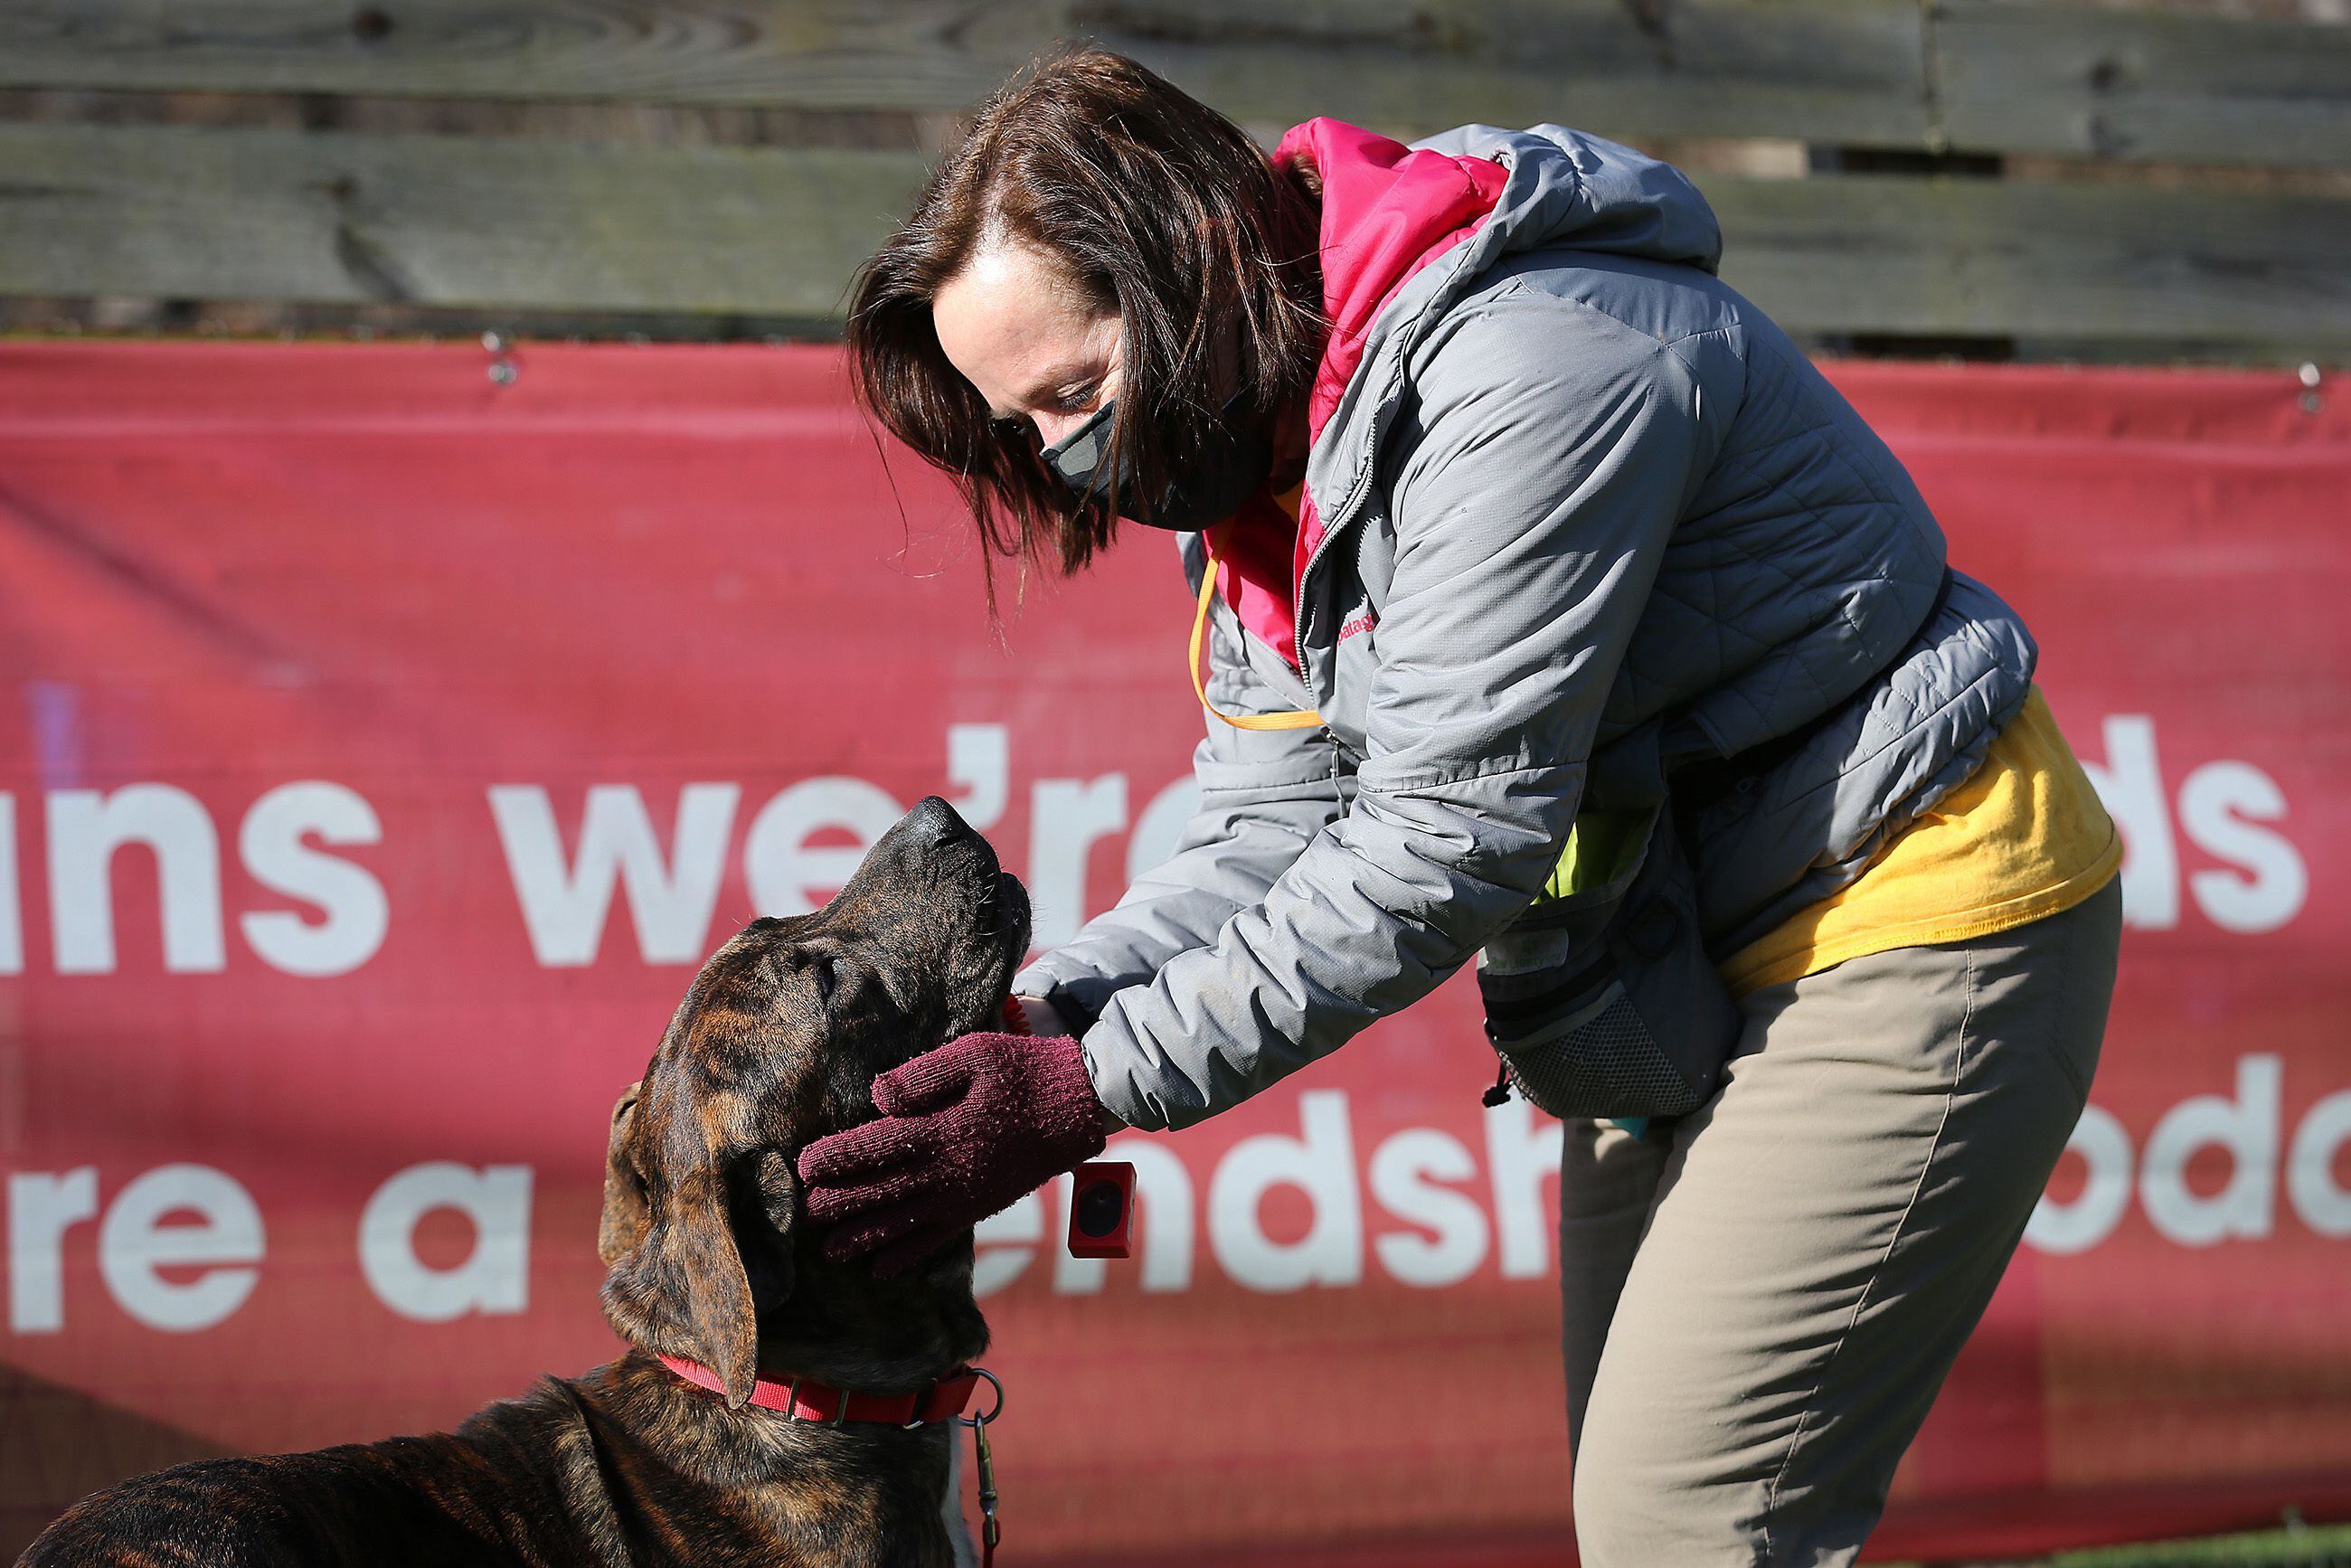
(1576, 496)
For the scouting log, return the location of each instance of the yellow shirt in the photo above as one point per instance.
(2022, 836)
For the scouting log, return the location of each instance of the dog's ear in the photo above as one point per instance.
(621, 1229)
(691, 1251)
(678, 1282)
(696, 1239)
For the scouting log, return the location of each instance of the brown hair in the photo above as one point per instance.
(1163, 211)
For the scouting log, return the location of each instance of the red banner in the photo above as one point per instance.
(389, 741)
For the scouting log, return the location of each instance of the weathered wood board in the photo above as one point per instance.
(1959, 257)
(1984, 75)
(2029, 75)
(1826, 69)
(561, 225)
(271, 214)
(1819, 70)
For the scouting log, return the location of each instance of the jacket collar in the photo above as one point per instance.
(1405, 231)
(1387, 212)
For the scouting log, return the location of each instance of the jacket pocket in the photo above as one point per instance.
(1600, 1001)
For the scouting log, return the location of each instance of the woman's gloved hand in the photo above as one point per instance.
(967, 1128)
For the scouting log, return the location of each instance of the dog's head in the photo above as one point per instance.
(778, 1042)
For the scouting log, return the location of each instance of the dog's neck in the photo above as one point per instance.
(764, 1487)
(845, 1328)
(841, 1327)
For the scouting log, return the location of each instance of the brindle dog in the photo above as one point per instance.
(777, 1043)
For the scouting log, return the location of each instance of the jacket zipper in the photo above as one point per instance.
(1355, 493)
(1352, 504)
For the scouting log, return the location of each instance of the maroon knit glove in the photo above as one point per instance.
(968, 1128)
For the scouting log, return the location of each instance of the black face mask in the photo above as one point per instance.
(1229, 465)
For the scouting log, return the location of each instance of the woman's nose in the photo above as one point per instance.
(1051, 427)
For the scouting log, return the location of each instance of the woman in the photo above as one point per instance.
(1563, 617)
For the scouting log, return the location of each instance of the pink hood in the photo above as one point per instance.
(1388, 211)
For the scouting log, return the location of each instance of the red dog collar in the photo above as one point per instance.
(806, 1399)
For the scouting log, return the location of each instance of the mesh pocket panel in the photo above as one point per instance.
(1606, 1066)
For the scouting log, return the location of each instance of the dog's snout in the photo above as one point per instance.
(934, 822)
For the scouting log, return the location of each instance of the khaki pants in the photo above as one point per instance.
(1759, 1304)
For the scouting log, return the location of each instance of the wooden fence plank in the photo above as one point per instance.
(1820, 70)
(273, 214)
(546, 224)
(2013, 258)
(2008, 75)
(1830, 70)
(916, 54)
(2029, 75)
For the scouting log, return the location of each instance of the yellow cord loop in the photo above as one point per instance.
(1296, 718)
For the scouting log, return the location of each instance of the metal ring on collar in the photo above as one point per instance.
(992, 1415)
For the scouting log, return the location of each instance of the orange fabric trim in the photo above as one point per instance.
(1294, 718)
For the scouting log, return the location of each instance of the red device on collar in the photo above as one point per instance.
(1103, 1200)
(1102, 1209)
(1102, 1204)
